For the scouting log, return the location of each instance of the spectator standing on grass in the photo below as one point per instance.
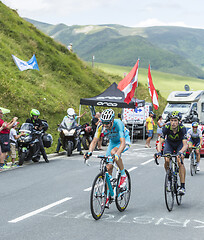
(4, 139)
(13, 139)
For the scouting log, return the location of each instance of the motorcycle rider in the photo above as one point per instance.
(38, 125)
(72, 116)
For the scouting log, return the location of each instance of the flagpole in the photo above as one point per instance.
(135, 103)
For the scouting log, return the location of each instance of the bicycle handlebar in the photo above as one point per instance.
(165, 155)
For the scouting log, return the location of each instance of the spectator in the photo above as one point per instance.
(160, 124)
(149, 128)
(4, 138)
(94, 123)
(13, 139)
(38, 125)
(70, 114)
(70, 47)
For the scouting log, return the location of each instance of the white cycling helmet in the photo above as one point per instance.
(107, 116)
(70, 112)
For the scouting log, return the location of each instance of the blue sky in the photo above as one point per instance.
(133, 13)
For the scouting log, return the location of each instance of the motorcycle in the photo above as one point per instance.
(69, 136)
(28, 144)
(87, 133)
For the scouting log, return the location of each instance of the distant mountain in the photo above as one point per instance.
(168, 49)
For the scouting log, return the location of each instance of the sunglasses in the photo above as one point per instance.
(106, 123)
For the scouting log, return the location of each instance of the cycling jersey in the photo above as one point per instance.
(193, 137)
(117, 131)
(192, 134)
(170, 136)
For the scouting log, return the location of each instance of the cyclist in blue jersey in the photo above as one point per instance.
(119, 142)
(194, 136)
(175, 137)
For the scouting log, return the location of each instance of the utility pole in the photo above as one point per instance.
(93, 57)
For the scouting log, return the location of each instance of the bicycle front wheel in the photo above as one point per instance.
(98, 196)
(169, 191)
(192, 164)
(123, 195)
(178, 196)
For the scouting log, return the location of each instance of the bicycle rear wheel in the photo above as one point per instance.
(123, 195)
(169, 191)
(98, 196)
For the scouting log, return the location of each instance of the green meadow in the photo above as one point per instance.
(164, 82)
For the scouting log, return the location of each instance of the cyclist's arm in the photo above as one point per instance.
(201, 141)
(96, 138)
(185, 146)
(93, 144)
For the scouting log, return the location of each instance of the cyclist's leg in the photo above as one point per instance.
(167, 149)
(197, 144)
(182, 170)
(190, 144)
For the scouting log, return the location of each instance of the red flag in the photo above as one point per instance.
(129, 83)
(152, 90)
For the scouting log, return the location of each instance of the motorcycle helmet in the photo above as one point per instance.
(194, 124)
(176, 114)
(34, 112)
(107, 116)
(70, 112)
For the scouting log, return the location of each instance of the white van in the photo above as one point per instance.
(189, 103)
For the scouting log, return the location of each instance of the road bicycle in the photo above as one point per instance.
(193, 162)
(102, 183)
(172, 181)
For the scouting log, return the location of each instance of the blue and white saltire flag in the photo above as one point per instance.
(22, 65)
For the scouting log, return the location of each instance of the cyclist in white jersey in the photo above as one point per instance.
(194, 136)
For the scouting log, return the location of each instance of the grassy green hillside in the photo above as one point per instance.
(62, 80)
(168, 49)
(125, 51)
(163, 82)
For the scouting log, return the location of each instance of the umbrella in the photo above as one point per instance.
(4, 110)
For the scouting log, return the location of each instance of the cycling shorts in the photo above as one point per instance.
(171, 147)
(117, 144)
(194, 141)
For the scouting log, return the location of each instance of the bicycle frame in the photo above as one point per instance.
(103, 168)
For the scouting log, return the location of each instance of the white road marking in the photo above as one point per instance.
(131, 169)
(87, 189)
(58, 214)
(39, 210)
(148, 161)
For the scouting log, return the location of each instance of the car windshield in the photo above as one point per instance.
(181, 107)
(26, 127)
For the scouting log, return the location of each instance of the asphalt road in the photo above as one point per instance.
(51, 201)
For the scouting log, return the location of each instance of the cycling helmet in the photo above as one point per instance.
(34, 112)
(194, 124)
(176, 114)
(70, 112)
(107, 116)
(151, 112)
